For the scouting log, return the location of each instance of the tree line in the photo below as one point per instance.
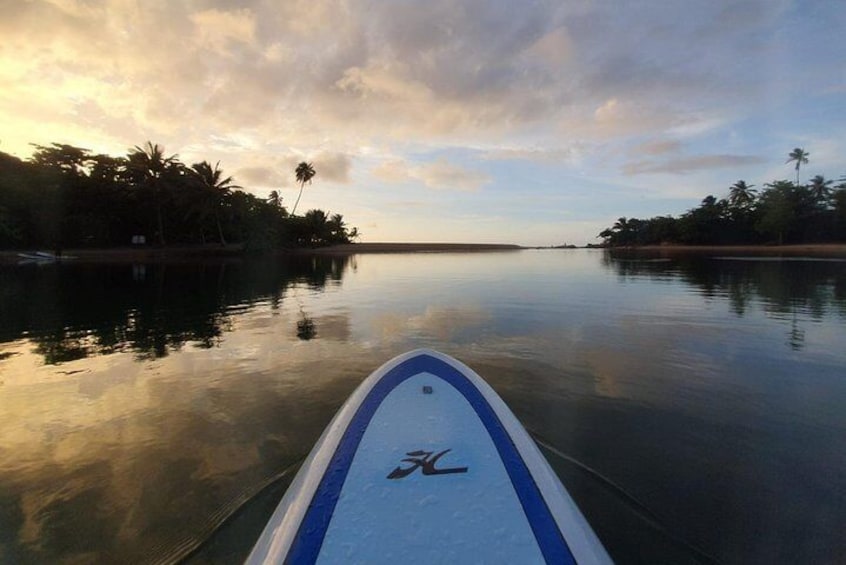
(66, 196)
(783, 212)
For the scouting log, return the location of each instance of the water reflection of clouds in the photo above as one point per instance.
(441, 323)
(153, 457)
(628, 357)
(575, 350)
(336, 327)
(145, 439)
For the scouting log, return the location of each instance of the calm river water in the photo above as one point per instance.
(694, 406)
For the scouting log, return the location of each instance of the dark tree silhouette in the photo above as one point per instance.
(150, 165)
(274, 199)
(783, 212)
(304, 172)
(778, 209)
(214, 190)
(741, 195)
(65, 197)
(820, 189)
(800, 156)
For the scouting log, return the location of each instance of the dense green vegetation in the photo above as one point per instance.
(783, 212)
(65, 196)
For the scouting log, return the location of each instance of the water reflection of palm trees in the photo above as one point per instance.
(306, 329)
(785, 289)
(86, 310)
(797, 334)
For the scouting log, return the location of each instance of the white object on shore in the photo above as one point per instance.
(43, 257)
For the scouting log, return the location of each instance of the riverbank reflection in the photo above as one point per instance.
(70, 312)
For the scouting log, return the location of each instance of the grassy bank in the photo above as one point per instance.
(814, 249)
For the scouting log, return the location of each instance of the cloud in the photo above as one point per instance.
(657, 147)
(333, 167)
(610, 111)
(552, 48)
(329, 166)
(441, 174)
(395, 171)
(261, 176)
(437, 175)
(370, 72)
(572, 154)
(215, 29)
(618, 118)
(576, 86)
(684, 165)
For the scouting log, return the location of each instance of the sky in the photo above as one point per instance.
(534, 122)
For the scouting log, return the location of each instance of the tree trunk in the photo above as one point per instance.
(161, 225)
(298, 198)
(219, 229)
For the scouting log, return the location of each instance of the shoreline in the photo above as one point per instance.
(129, 254)
(355, 248)
(236, 251)
(819, 249)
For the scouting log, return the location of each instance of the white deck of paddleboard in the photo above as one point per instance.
(489, 513)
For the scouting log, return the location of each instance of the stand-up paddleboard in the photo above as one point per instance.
(426, 464)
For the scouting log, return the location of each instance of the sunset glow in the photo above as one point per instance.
(535, 124)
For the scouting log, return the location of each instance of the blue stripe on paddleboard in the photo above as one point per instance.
(309, 539)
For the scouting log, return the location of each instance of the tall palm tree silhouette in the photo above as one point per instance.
(305, 172)
(801, 157)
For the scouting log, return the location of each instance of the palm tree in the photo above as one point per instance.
(801, 157)
(820, 188)
(621, 233)
(274, 199)
(305, 172)
(317, 224)
(741, 194)
(778, 209)
(214, 188)
(337, 229)
(150, 164)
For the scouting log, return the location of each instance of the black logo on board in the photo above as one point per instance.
(425, 461)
